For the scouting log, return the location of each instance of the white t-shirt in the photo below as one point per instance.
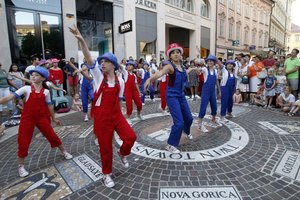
(288, 99)
(281, 79)
(205, 73)
(98, 78)
(26, 90)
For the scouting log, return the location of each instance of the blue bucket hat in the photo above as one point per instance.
(230, 62)
(40, 70)
(211, 57)
(130, 62)
(110, 57)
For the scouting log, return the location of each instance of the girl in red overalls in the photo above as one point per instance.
(106, 108)
(35, 113)
(132, 91)
(163, 88)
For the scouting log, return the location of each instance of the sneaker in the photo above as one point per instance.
(96, 142)
(198, 97)
(230, 115)
(165, 112)
(143, 104)
(123, 160)
(86, 118)
(129, 122)
(108, 182)
(22, 171)
(203, 129)
(190, 136)
(216, 123)
(172, 149)
(140, 117)
(67, 155)
(153, 100)
(224, 120)
(266, 106)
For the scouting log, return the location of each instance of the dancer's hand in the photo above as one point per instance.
(76, 32)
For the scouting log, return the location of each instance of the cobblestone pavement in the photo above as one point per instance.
(253, 156)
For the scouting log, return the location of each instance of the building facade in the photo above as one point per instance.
(280, 26)
(138, 28)
(243, 26)
(293, 41)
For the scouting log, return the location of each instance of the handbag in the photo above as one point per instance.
(245, 80)
(262, 74)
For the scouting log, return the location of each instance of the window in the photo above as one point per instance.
(247, 11)
(266, 39)
(204, 9)
(254, 14)
(246, 37)
(288, 39)
(222, 27)
(297, 38)
(261, 17)
(231, 4)
(238, 6)
(260, 42)
(238, 31)
(183, 4)
(253, 37)
(230, 31)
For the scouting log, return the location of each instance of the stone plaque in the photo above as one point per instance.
(92, 169)
(200, 193)
(289, 165)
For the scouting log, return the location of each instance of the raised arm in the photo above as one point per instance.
(6, 99)
(166, 69)
(83, 45)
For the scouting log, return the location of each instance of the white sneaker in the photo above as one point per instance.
(216, 123)
(96, 142)
(129, 122)
(165, 112)
(190, 136)
(86, 118)
(143, 104)
(153, 100)
(202, 128)
(108, 182)
(67, 155)
(224, 120)
(123, 160)
(140, 117)
(172, 149)
(22, 171)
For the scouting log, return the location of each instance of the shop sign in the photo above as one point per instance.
(235, 42)
(146, 3)
(230, 51)
(125, 27)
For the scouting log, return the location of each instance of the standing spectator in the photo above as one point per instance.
(243, 74)
(72, 76)
(257, 66)
(281, 61)
(291, 66)
(57, 78)
(269, 85)
(193, 79)
(270, 62)
(200, 63)
(34, 62)
(281, 82)
(4, 90)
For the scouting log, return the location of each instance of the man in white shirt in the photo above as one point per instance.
(35, 61)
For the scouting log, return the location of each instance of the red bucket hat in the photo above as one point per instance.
(173, 47)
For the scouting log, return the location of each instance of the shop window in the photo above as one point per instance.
(94, 20)
(204, 8)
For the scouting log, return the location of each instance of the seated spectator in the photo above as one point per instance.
(295, 107)
(259, 98)
(77, 103)
(237, 97)
(285, 100)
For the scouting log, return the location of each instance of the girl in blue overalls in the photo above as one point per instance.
(227, 89)
(145, 78)
(176, 101)
(209, 91)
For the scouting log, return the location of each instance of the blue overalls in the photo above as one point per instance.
(178, 106)
(209, 95)
(86, 92)
(151, 89)
(227, 95)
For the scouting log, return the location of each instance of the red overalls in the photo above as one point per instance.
(163, 92)
(107, 119)
(35, 113)
(130, 93)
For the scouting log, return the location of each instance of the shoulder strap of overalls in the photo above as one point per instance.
(172, 77)
(97, 94)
